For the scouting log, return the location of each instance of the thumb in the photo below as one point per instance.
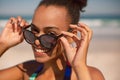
(68, 49)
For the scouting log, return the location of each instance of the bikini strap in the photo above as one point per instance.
(68, 71)
(67, 75)
(35, 74)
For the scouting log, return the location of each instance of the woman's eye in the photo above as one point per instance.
(34, 30)
(53, 33)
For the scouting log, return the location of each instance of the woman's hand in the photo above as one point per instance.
(77, 56)
(12, 33)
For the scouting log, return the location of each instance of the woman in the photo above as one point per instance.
(53, 31)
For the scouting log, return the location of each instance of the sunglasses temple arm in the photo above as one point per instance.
(23, 28)
(60, 36)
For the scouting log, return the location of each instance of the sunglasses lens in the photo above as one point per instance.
(47, 41)
(29, 37)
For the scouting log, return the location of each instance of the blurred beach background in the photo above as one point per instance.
(103, 17)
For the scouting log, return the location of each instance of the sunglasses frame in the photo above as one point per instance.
(39, 38)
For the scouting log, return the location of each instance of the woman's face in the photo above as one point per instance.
(50, 19)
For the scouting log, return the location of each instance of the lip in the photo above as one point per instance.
(38, 53)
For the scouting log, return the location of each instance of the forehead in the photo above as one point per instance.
(51, 16)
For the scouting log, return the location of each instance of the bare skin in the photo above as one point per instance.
(54, 65)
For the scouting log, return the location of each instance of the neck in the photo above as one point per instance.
(56, 66)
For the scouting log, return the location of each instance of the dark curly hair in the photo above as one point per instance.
(73, 7)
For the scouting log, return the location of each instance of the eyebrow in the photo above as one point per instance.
(51, 27)
(47, 27)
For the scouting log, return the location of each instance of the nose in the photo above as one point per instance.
(37, 42)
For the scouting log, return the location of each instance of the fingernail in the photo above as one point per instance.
(27, 23)
(21, 24)
(79, 24)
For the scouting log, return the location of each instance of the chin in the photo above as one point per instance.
(41, 60)
(41, 57)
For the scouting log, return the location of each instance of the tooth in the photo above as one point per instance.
(38, 50)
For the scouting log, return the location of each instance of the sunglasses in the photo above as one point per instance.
(47, 41)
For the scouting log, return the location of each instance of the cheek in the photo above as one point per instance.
(58, 50)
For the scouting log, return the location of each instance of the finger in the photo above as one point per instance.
(9, 23)
(19, 18)
(78, 28)
(73, 36)
(20, 30)
(26, 24)
(70, 34)
(84, 34)
(67, 48)
(14, 24)
(90, 32)
(22, 23)
(13, 20)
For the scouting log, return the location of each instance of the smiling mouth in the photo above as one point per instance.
(39, 50)
(43, 51)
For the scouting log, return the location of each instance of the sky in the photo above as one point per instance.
(27, 7)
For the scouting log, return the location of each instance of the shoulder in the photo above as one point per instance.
(10, 73)
(96, 74)
(26, 68)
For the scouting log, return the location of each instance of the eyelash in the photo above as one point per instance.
(34, 30)
(53, 32)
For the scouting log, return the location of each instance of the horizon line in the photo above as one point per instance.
(82, 16)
